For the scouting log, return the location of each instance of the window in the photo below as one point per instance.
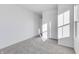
(66, 17)
(64, 25)
(66, 31)
(60, 32)
(44, 28)
(60, 20)
(44, 32)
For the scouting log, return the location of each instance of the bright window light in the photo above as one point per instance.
(64, 25)
(44, 27)
(66, 31)
(44, 32)
(60, 20)
(60, 32)
(67, 17)
(44, 35)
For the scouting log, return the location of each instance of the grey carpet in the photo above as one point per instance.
(37, 46)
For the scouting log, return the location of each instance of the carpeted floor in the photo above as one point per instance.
(37, 46)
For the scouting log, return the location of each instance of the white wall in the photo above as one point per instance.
(76, 38)
(50, 17)
(69, 42)
(16, 25)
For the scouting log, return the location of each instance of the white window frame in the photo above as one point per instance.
(64, 26)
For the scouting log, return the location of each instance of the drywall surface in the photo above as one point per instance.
(76, 38)
(16, 24)
(69, 41)
(50, 18)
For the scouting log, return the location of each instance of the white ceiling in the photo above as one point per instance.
(39, 8)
